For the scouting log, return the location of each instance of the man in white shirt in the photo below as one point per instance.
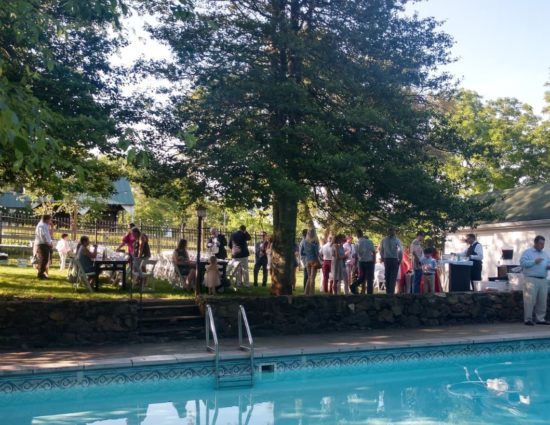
(326, 254)
(535, 263)
(366, 254)
(43, 240)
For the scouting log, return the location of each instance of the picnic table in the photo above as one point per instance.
(114, 265)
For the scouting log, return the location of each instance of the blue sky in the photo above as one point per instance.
(503, 46)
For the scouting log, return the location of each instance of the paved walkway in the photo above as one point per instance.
(187, 351)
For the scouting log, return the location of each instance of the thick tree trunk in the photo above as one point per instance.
(285, 211)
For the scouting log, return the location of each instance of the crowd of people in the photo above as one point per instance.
(135, 241)
(344, 262)
(351, 264)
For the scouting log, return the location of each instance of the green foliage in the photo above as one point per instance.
(256, 221)
(56, 105)
(307, 107)
(157, 211)
(498, 144)
(296, 100)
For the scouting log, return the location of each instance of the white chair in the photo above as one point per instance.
(143, 270)
(233, 267)
(379, 277)
(79, 275)
(180, 280)
(164, 269)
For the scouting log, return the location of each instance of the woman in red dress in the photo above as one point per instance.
(404, 268)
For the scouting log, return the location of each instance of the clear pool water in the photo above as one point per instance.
(503, 389)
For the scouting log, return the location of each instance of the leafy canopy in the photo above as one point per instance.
(58, 93)
(307, 99)
(496, 144)
(293, 100)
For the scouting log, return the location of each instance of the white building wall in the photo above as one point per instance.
(495, 237)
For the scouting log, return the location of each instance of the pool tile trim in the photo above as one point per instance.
(158, 368)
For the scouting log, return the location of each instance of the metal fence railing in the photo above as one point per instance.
(18, 230)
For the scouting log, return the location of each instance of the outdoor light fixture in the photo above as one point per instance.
(201, 211)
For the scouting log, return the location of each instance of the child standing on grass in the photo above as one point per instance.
(63, 247)
(212, 276)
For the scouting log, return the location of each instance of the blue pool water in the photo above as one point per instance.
(488, 389)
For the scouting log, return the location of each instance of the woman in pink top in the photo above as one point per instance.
(128, 240)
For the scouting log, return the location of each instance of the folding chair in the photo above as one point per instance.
(379, 278)
(143, 270)
(180, 280)
(81, 275)
(233, 267)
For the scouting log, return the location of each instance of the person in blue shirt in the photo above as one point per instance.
(429, 268)
(535, 263)
(311, 251)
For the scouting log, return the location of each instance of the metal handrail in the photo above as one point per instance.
(211, 327)
(243, 319)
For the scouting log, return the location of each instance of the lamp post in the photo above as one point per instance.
(95, 246)
(201, 213)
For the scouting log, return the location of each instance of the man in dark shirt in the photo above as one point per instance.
(239, 251)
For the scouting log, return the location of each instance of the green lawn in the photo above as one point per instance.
(22, 282)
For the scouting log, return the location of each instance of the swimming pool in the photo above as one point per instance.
(504, 383)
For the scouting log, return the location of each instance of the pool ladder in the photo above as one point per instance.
(224, 379)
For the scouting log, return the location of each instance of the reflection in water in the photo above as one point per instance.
(458, 391)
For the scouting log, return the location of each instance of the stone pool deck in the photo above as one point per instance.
(134, 355)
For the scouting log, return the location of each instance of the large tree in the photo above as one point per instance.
(496, 144)
(58, 93)
(288, 100)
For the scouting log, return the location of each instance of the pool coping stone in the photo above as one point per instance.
(323, 347)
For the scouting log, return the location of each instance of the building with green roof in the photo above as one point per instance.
(521, 214)
(121, 199)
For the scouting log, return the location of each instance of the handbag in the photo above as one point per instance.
(316, 264)
(213, 246)
(235, 250)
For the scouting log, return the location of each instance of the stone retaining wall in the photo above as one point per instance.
(316, 314)
(42, 323)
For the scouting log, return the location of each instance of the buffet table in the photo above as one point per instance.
(458, 273)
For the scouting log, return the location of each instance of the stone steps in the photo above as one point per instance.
(170, 320)
(171, 334)
(170, 302)
(169, 311)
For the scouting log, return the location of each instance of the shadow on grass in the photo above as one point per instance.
(23, 282)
